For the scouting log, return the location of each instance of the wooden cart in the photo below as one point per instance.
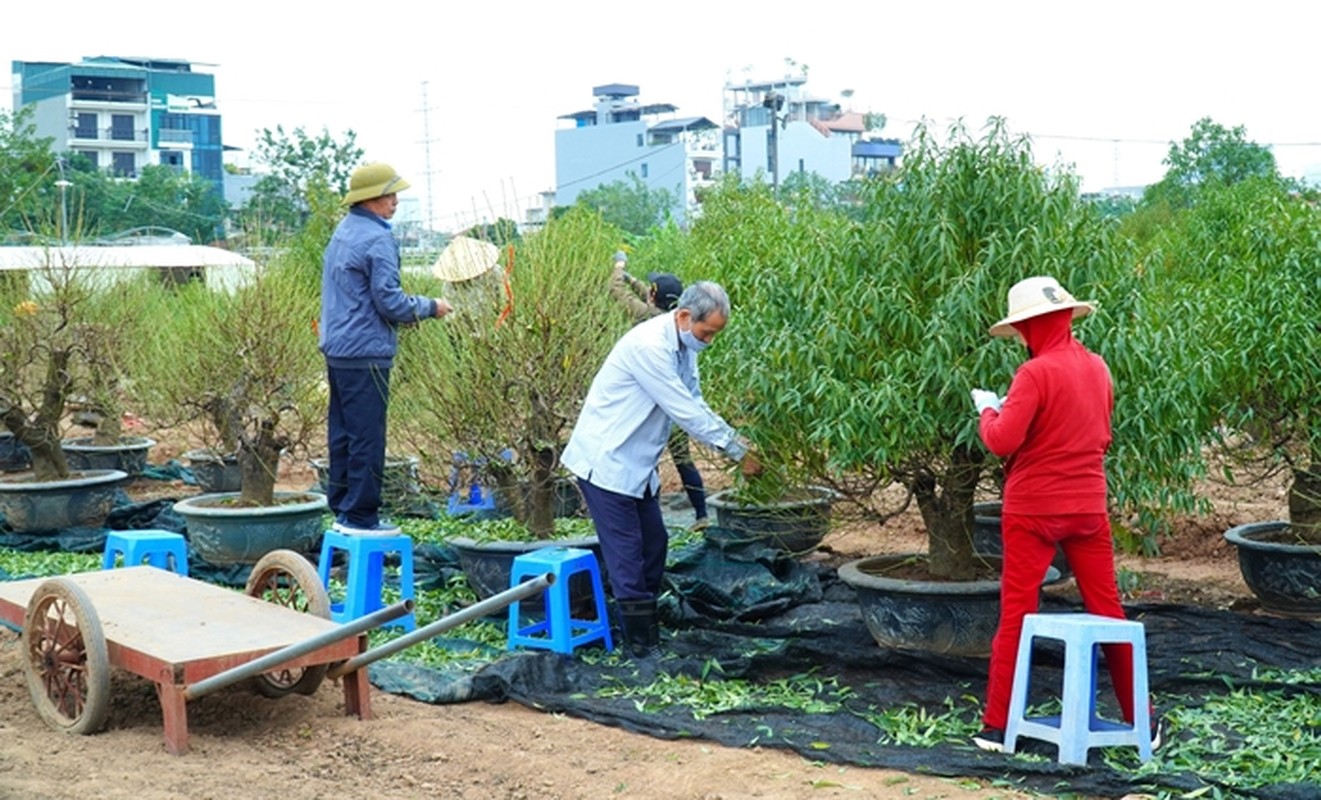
(187, 636)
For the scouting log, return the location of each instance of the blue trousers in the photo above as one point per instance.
(634, 541)
(356, 439)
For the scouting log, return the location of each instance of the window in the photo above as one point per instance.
(644, 170)
(90, 155)
(639, 140)
(121, 127)
(85, 126)
(172, 158)
(122, 164)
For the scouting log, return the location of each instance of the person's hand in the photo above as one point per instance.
(750, 465)
(983, 400)
(443, 307)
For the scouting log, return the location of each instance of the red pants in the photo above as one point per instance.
(1029, 546)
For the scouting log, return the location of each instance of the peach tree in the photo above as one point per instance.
(857, 333)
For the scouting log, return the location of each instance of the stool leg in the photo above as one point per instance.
(1018, 695)
(1141, 698)
(1074, 727)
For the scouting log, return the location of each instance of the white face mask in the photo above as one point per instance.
(691, 341)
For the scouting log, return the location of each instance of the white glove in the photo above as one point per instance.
(983, 400)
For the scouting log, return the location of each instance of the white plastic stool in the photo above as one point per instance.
(1078, 728)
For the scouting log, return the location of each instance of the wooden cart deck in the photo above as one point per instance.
(176, 631)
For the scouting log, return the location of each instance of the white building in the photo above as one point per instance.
(813, 135)
(620, 138)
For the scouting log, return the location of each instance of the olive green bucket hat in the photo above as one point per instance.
(371, 181)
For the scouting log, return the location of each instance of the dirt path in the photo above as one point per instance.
(304, 747)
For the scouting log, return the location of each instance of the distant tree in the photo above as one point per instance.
(811, 188)
(500, 233)
(296, 163)
(167, 198)
(1212, 154)
(27, 174)
(631, 205)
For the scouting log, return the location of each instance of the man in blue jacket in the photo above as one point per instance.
(362, 307)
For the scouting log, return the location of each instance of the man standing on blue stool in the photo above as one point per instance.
(1052, 430)
(362, 308)
(649, 379)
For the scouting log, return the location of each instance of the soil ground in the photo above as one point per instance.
(305, 747)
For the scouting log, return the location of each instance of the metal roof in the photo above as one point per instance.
(121, 257)
(683, 124)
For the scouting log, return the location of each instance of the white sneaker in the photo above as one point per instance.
(379, 529)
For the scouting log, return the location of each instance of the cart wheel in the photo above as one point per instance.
(67, 667)
(286, 578)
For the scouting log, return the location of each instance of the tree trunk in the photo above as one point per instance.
(948, 515)
(48, 461)
(259, 463)
(109, 430)
(1305, 502)
(541, 494)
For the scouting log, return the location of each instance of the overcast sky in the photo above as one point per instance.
(1104, 85)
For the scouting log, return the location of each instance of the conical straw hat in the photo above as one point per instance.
(464, 259)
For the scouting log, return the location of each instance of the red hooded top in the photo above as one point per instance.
(1054, 427)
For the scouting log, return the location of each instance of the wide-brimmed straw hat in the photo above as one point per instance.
(465, 258)
(1032, 297)
(373, 180)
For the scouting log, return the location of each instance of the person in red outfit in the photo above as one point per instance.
(1052, 431)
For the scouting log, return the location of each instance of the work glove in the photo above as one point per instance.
(983, 400)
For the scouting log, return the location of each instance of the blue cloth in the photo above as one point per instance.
(356, 441)
(362, 302)
(634, 542)
(647, 380)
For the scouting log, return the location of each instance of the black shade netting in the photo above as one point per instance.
(751, 615)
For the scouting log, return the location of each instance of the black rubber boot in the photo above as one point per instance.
(641, 628)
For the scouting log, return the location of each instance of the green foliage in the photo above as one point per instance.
(500, 233)
(27, 174)
(246, 363)
(101, 204)
(630, 205)
(1243, 264)
(1212, 154)
(298, 165)
(511, 366)
(853, 344)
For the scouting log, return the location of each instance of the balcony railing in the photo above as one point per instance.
(174, 135)
(109, 134)
(110, 95)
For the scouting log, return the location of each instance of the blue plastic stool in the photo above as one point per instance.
(1078, 728)
(158, 548)
(557, 631)
(366, 556)
(471, 500)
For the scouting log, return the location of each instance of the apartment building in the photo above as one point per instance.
(621, 137)
(123, 113)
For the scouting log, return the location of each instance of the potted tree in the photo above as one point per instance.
(861, 330)
(515, 366)
(245, 366)
(1244, 255)
(46, 336)
(116, 321)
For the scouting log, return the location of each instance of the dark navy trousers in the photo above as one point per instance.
(633, 538)
(356, 439)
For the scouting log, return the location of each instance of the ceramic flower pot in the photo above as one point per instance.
(215, 472)
(1283, 572)
(83, 500)
(223, 533)
(952, 617)
(129, 455)
(795, 525)
(14, 455)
